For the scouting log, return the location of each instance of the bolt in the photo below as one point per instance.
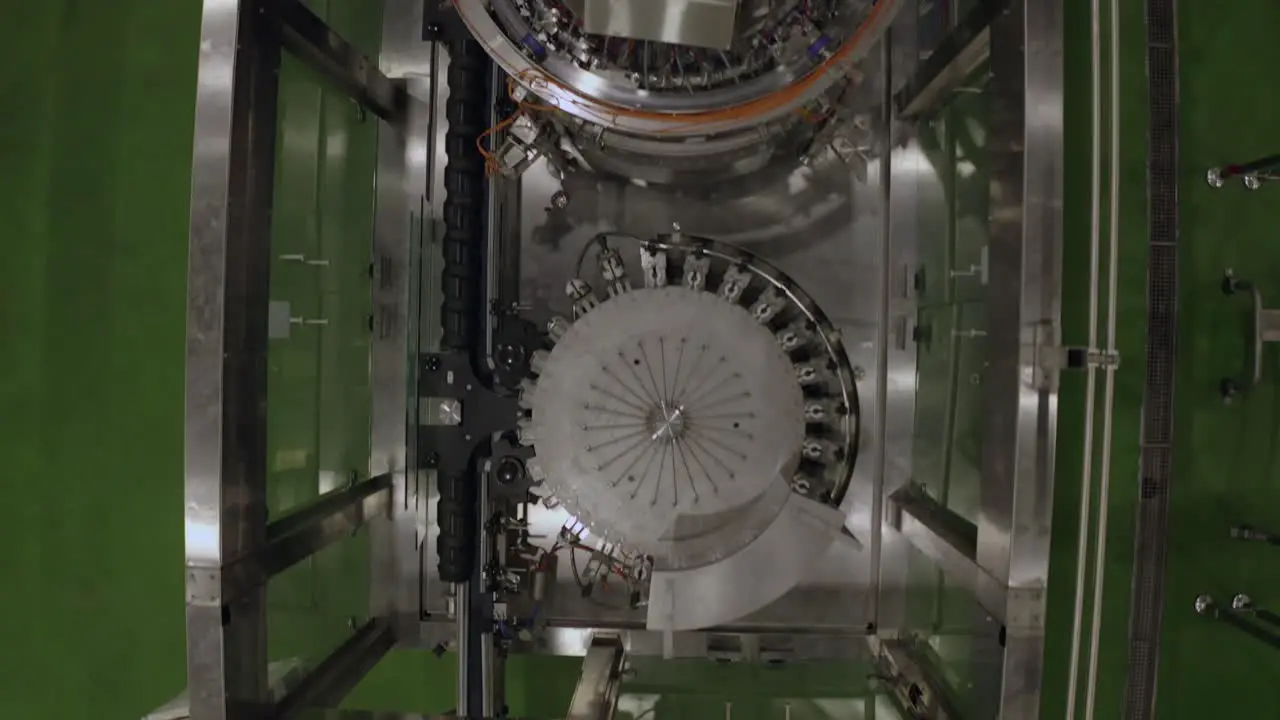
(1204, 604)
(509, 472)
(449, 412)
(560, 200)
(510, 357)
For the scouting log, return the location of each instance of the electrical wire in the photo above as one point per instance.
(492, 164)
(600, 241)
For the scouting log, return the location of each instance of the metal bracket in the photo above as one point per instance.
(917, 686)
(1077, 358)
(1265, 329)
(476, 414)
(435, 18)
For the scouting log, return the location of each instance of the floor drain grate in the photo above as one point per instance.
(1162, 315)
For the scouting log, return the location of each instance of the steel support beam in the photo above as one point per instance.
(916, 683)
(225, 424)
(951, 542)
(335, 676)
(293, 538)
(308, 38)
(333, 516)
(949, 66)
(375, 715)
(596, 696)
(1020, 396)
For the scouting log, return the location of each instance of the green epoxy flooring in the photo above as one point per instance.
(1226, 468)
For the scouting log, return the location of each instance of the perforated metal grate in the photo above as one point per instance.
(1162, 311)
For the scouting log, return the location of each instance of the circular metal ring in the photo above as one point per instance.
(593, 98)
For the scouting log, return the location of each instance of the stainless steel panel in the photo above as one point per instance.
(432, 81)
(908, 187)
(1025, 151)
(1032, 506)
(1025, 231)
(226, 357)
(703, 23)
(398, 258)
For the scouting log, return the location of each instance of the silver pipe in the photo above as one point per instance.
(493, 238)
(1104, 483)
(882, 338)
(487, 651)
(1086, 475)
(461, 609)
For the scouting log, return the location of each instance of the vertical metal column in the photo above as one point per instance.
(226, 386)
(404, 165)
(1020, 396)
(880, 411)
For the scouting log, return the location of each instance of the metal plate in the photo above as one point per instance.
(703, 23)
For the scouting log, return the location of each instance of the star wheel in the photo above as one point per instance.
(678, 419)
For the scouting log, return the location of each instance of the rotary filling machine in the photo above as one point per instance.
(646, 283)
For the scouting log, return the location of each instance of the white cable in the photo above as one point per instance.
(1104, 483)
(1086, 475)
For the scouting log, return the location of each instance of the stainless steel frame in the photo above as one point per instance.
(231, 550)
(589, 96)
(1005, 567)
(850, 243)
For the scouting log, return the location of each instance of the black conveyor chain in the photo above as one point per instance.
(462, 277)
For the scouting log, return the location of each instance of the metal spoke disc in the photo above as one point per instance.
(663, 410)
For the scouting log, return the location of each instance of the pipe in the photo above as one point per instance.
(1104, 484)
(882, 341)
(1095, 242)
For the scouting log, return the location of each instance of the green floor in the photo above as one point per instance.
(1227, 467)
(96, 145)
(95, 142)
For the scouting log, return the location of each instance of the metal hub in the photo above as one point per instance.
(667, 424)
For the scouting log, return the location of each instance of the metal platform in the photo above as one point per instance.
(861, 241)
